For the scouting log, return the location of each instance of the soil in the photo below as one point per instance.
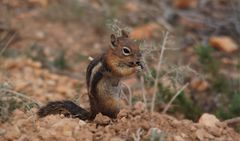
(129, 125)
(28, 68)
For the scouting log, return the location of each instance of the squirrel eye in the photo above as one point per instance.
(126, 51)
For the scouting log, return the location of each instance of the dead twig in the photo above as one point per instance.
(7, 44)
(235, 120)
(137, 136)
(129, 99)
(20, 95)
(173, 98)
(158, 71)
(143, 91)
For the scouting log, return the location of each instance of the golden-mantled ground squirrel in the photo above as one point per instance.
(104, 73)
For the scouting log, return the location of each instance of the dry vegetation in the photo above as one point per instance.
(191, 51)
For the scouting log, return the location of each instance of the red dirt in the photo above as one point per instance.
(129, 124)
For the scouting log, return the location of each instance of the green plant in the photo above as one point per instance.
(225, 89)
(182, 104)
(60, 61)
(112, 8)
(11, 100)
(211, 66)
(65, 11)
(157, 135)
(36, 52)
(233, 108)
(186, 106)
(208, 62)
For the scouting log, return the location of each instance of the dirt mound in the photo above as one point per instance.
(130, 125)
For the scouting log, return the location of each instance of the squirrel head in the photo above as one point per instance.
(124, 57)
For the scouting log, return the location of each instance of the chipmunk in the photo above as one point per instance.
(103, 77)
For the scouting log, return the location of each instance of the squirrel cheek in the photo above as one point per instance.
(127, 71)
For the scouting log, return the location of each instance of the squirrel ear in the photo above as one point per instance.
(124, 34)
(113, 40)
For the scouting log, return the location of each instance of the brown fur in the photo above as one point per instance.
(103, 79)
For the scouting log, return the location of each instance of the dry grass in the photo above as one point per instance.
(160, 60)
(11, 100)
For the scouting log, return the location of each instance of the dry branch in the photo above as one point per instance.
(173, 98)
(7, 44)
(20, 95)
(158, 71)
(143, 90)
(235, 120)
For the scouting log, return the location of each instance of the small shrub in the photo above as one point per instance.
(182, 104)
(11, 100)
(157, 135)
(224, 91)
(233, 108)
(60, 61)
(208, 62)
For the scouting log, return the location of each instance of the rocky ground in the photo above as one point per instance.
(44, 50)
(132, 124)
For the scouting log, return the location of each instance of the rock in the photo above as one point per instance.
(65, 126)
(122, 113)
(81, 122)
(23, 138)
(190, 24)
(193, 128)
(123, 119)
(199, 85)
(215, 131)
(136, 112)
(140, 106)
(40, 35)
(223, 43)
(83, 135)
(34, 64)
(208, 120)
(21, 85)
(201, 134)
(2, 131)
(178, 138)
(116, 139)
(13, 134)
(131, 6)
(144, 125)
(183, 135)
(145, 31)
(102, 120)
(42, 3)
(175, 123)
(19, 113)
(229, 61)
(61, 89)
(184, 4)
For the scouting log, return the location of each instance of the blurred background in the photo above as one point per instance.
(45, 45)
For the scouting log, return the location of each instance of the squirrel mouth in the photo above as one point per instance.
(136, 64)
(140, 64)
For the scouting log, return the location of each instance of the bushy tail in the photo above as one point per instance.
(67, 108)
